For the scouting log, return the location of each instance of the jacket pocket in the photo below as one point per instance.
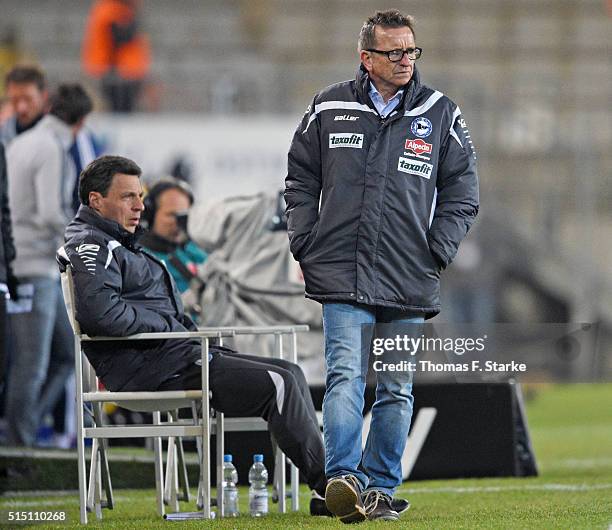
(308, 244)
(435, 262)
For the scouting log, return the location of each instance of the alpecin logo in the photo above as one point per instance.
(414, 167)
(345, 140)
(418, 147)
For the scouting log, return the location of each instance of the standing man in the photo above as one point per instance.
(41, 179)
(380, 191)
(27, 96)
(26, 91)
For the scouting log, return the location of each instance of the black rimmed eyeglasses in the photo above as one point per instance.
(395, 56)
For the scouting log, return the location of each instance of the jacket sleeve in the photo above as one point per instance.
(5, 212)
(457, 192)
(100, 308)
(303, 182)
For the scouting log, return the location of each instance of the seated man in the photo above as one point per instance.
(121, 290)
(166, 209)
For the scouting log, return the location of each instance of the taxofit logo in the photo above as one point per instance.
(418, 147)
(414, 167)
(345, 140)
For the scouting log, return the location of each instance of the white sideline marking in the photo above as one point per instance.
(583, 462)
(497, 489)
(467, 489)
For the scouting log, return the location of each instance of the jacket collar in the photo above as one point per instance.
(362, 82)
(89, 216)
(60, 129)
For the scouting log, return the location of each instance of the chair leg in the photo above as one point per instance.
(98, 487)
(282, 490)
(94, 500)
(81, 468)
(220, 433)
(171, 478)
(159, 467)
(106, 485)
(200, 494)
(205, 419)
(295, 487)
(92, 475)
(182, 466)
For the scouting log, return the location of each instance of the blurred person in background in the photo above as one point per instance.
(116, 52)
(27, 103)
(41, 179)
(166, 212)
(26, 91)
(380, 191)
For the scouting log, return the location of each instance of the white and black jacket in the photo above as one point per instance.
(121, 290)
(377, 207)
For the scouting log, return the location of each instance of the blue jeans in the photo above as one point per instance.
(41, 360)
(379, 467)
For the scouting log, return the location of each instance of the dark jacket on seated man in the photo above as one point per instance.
(121, 290)
(124, 290)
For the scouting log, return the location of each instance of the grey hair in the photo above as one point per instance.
(391, 18)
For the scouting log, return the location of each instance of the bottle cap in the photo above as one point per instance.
(257, 458)
(227, 458)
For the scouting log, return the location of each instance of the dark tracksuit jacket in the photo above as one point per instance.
(377, 206)
(122, 290)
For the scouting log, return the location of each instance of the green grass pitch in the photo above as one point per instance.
(571, 429)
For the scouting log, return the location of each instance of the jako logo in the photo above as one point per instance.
(418, 147)
(345, 140)
(414, 167)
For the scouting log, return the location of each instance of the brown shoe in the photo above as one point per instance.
(343, 499)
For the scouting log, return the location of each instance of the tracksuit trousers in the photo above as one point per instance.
(273, 389)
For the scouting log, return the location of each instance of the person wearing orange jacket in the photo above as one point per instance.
(116, 51)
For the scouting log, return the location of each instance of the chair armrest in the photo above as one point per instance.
(204, 333)
(257, 330)
(156, 335)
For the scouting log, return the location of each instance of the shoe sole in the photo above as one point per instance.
(385, 518)
(342, 500)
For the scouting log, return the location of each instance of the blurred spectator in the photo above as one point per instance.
(41, 179)
(116, 51)
(6, 111)
(166, 213)
(85, 149)
(8, 282)
(26, 90)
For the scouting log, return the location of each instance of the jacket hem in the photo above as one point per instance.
(429, 311)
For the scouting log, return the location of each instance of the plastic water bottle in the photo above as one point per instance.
(230, 491)
(258, 492)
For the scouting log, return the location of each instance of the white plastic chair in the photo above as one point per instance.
(91, 496)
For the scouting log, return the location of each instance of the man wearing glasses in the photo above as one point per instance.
(380, 191)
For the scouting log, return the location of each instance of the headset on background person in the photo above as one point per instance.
(150, 201)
